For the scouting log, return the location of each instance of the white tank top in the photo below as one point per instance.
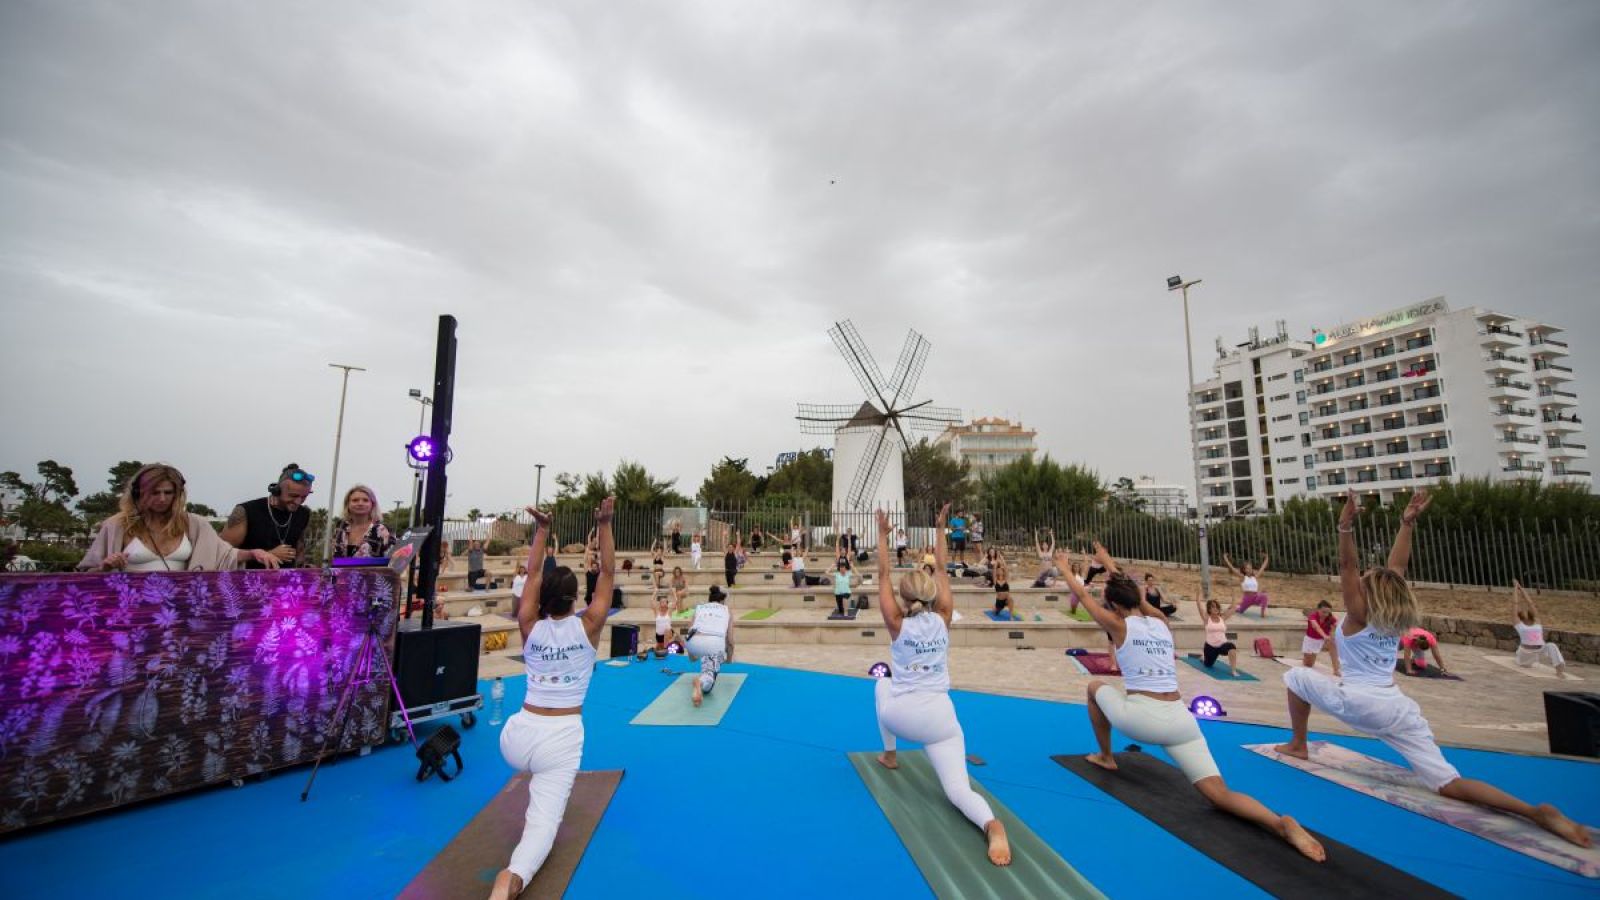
(1145, 656)
(1250, 584)
(142, 559)
(711, 619)
(559, 661)
(1367, 656)
(1530, 635)
(919, 659)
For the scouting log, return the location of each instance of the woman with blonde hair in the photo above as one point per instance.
(1531, 645)
(152, 531)
(360, 532)
(914, 702)
(1379, 608)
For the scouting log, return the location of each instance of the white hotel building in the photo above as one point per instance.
(1386, 405)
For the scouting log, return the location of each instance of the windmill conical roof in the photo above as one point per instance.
(866, 415)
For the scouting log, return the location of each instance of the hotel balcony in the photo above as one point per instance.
(1505, 362)
(1550, 398)
(1560, 423)
(1510, 389)
(1546, 347)
(1549, 372)
(1499, 337)
(1570, 476)
(1565, 450)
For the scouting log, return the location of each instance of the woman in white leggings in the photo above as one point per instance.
(914, 703)
(1151, 710)
(545, 737)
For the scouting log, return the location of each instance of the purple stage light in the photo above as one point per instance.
(420, 449)
(674, 648)
(1206, 707)
(879, 670)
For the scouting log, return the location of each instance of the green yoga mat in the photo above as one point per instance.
(1218, 671)
(680, 616)
(674, 707)
(757, 614)
(950, 851)
(1081, 614)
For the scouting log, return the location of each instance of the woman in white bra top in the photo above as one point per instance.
(914, 702)
(1531, 645)
(1250, 593)
(545, 737)
(1151, 710)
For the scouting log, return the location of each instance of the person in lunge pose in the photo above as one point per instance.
(1531, 645)
(1151, 710)
(914, 703)
(710, 641)
(1250, 593)
(1320, 625)
(545, 737)
(1379, 606)
(1217, 643)
(680, 588)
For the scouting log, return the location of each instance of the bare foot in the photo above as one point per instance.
(1298, 751)
(1551, 820)
(999, 846)
(1301, 839)
(696, 695)
(1103, 760)
(888, 759)
(507, 886)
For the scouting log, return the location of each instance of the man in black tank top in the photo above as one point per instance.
(275, 523)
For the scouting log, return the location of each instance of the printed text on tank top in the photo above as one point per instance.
(1367, 656)
(1146, 659)
(1530, 636)
(1249, 584)
(559, 661)
(919, 655)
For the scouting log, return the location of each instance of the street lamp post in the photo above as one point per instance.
(338, 439)
(538, 484)
(1176, 283)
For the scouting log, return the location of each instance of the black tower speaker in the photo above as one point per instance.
(438, 664)
(624, 640)
(1573, 719)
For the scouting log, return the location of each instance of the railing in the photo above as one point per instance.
(1545, 340)
(1507, 357)
(1501, 329)
(1540, 365)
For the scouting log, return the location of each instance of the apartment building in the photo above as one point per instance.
(988, 443)
(1387, 404)
(1169, 500)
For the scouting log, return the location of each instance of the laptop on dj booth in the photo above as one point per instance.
(407, 547)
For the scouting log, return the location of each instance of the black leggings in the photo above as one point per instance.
(1211, 653)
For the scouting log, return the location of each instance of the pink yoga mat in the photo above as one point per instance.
(1096, 664)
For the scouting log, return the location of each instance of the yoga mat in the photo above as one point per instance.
(1218, 671)
(758, 614)
(1081, 614)
(996, 617)
(1094, 663)
(951, 851)
(1162, 794)
(1397, 786)
(680, 616)
(467, 866)
(842, 617)
(1538, 670)
(1430, 672)
(673, 706)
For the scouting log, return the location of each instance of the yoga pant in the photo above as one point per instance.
(1253, 598)
(799, 579)
(899, 556)
(677, 543)
(1547, 653)
(1382, 712)
(838, 602)
(1211, 653)
(694, 556)
(1000, 605)
(550, 747)
(729, 574)
(1165, 723)
(712, 649)
(929, 718)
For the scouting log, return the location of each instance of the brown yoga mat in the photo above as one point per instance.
(466, 867)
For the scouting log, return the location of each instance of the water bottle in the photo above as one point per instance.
(497, 702)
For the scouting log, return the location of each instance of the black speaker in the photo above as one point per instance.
(624, 640)
(437, 664)
(1573, 719)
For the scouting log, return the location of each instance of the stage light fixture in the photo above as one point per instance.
(879, 670)
(421, 449)
(1206, 707)
(674, 648)
(444, 743)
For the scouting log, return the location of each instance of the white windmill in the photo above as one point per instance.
(869, 441)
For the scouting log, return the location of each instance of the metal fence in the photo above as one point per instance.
(1542, 554)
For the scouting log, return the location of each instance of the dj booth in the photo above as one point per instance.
(117, 688)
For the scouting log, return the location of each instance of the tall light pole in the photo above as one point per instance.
(538, 484)
(338, 439)
(1176, 283)
(416, 473)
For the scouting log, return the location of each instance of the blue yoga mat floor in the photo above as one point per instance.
(775, 803)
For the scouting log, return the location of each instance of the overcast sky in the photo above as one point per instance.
(646, 216)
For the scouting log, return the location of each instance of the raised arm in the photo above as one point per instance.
(1355, 600)
(528, 609)
(946, 603)
(1520, 592)
(1262, 569)
(886, 603)
(1103, 557)
(1105, 618)
(594, 615)
(1400, 553)
(1228, 561)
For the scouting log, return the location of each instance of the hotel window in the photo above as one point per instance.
(1435, 470)
(1435, 443)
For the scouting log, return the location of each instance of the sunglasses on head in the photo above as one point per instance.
(300, 476)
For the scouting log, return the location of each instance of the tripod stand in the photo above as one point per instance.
(361, 668)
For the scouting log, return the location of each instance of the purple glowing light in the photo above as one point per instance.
(879, 670)
(1206, 707)
(674, 648)
(420, 449)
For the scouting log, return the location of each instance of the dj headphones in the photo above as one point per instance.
(294, 473)
(138, 477)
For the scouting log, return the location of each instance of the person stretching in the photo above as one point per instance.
(730, 563)
(1414, 648)
(1151, 709)
(1320, 625)
(1217, 643)
(1249, 584)
(1001, 574)
(695, 550)
(1379, 606)
(797, 569)
(1531, 645)
(545, 737)
(710, 641)
(680, 589)
(914, 702)
(843, 584)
